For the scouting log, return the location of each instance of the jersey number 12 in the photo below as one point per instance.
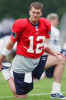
(38, 45)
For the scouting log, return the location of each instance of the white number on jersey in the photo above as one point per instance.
(38, 45)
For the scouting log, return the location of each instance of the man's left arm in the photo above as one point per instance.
(56, 54)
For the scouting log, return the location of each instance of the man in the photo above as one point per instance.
(55, 33)
(57, 66)
(30, 35)
(56, 46)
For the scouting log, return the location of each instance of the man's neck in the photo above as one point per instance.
(33, 22)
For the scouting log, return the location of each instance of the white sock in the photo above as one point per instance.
(6, 74)
(56, 88)
(11, 73)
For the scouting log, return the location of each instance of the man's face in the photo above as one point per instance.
(35, 14)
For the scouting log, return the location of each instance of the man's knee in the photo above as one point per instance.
(22, 85)
(20, 96)
(62, 60)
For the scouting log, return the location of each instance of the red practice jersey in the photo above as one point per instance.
(30, 41)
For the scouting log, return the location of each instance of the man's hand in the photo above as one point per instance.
(57, 54)
(60, 56)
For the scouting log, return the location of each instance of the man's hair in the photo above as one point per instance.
(52, 16)
(36, 5)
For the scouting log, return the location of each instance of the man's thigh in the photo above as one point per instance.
(51, 61)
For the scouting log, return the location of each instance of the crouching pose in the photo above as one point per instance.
(30, 35)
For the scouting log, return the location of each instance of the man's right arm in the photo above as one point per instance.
(6, 51)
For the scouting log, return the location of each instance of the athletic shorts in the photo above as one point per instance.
(23, 83)
(49, 72)
(37, 72)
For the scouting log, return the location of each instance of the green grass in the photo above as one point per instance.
(42, 87)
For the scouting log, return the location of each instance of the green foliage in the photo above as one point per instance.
(19, 8)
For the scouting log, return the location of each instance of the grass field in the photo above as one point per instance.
(41, 89)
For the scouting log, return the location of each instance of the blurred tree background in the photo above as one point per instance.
(19, 8)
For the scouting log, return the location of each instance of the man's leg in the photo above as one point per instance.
(13, 89)
(59, 69)
(58, 72)
(8, 75)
